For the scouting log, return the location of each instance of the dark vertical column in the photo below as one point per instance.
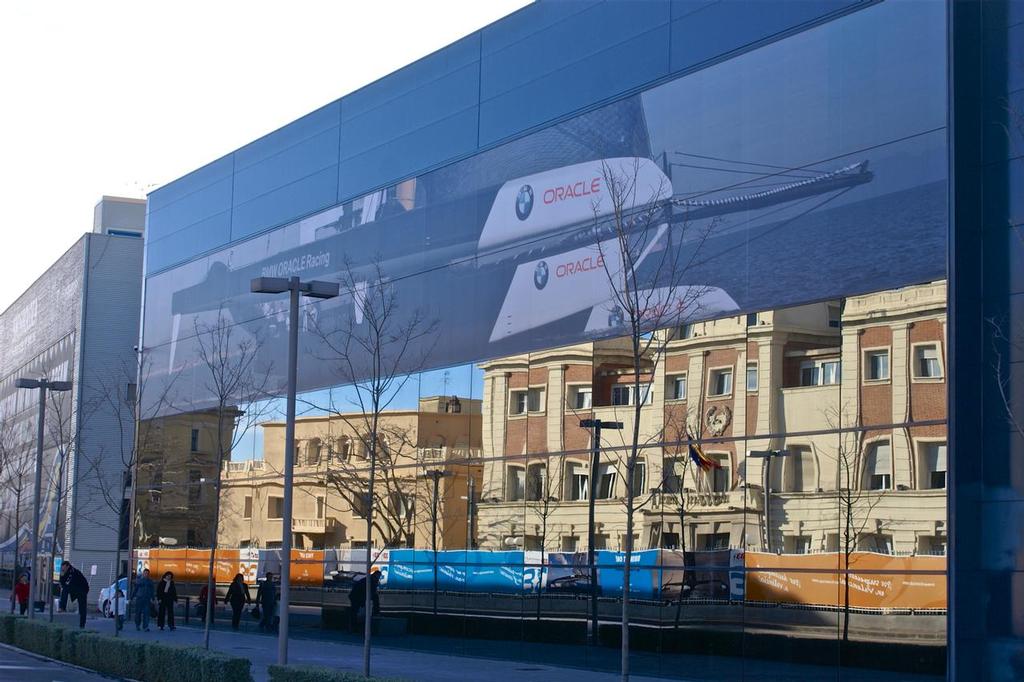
(986, 340)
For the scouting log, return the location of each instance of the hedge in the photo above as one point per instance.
(121, 656)
(312, 673)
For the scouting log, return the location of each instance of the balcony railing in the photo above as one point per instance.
(448, 453)
(244, 466)
(712, 501)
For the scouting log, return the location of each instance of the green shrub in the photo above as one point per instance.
(7, 628)
(312, 673)
(123, 657)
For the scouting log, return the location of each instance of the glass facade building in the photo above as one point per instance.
(743, 237)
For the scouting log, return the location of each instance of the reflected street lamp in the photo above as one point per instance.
(434, 475)
(295, 289)
(43, 385)
(767, 456)
(595, 455)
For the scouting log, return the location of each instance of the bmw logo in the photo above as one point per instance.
(524, 202)
(540, 275)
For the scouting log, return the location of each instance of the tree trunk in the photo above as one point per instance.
(367, 604)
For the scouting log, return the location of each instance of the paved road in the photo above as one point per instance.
(16, 666)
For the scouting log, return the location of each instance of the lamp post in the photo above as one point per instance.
(43, 385)
(767, 456)
(295, 289)
(434, 475)
(596, 425)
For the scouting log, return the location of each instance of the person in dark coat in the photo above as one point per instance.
(166, 597)
(266, 597)
(78, 590)
(20, 594)
(237, 597)
(357, 597)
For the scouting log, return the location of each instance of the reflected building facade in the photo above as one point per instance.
(814, 368)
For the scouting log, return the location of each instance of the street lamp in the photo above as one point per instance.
(434, 475)
(596, 425)
(295, 289)
(767, 456)
(43, 385)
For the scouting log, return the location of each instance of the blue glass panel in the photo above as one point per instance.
(290, 135)
(529, 21)
(723, 27)
(285, 203)
(188, 184)
(412, 77)
(582, 46)
(291, 165)
(189, 209)
(184, 244)
(576, 85)
(425, 147)
(411, 110)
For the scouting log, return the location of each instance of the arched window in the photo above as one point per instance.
(515, 484)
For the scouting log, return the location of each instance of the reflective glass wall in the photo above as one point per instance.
(678, 362)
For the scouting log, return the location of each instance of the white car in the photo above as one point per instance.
(105, 601)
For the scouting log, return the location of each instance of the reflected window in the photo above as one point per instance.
(515, 487)
(751, 376)
(931, 545)
(712, 541)
(570, 543)
(799, 470)
(797, 544)
(625, 394)
(835, 315)
(719, 480)
(720, 381)
(581, 397)
(605, 481)
(876, 365)
(194, 442)
(819, 372)
(677, 387)
(578, 481)
(536, 482)
(275, 507)
(933, 465)
(526, 400)
(639, 477)
(686, 331)
(878, 467)
(673, 469)
(195, 486)
(313, 452)
(926, 362)
(880, 543)
(752, 319)
(321, 506)
(247, 507)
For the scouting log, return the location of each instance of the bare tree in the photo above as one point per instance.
(16, 466)
(376, 349)
(640, 247)
(228, 364)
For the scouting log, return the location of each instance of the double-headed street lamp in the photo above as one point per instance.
(595, 457)
(295, 288)
(767, 456)
(43, 385)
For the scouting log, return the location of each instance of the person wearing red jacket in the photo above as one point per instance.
(21, 593)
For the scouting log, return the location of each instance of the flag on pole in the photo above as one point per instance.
(701, 459)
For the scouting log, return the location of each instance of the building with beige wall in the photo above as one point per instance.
(849, 397)
(332, 471)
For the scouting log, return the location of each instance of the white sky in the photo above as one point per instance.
(118, 98)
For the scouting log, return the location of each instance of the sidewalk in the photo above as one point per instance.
(439, 658)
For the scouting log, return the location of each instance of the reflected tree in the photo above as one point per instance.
(375, 347)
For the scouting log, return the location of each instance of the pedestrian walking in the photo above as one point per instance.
(142, 598)
(266, 598)
(357, 598)
(21, 593)
(238, 598)
(120, 608)
(78, 589)
(166, 597)
(204, 596)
